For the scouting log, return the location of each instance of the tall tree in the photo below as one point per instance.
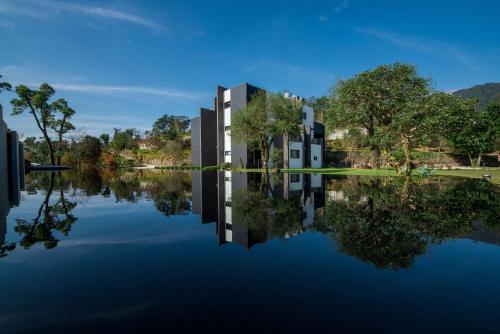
(37, 102)
(371, 98)
(169, 127)
(63, 125)
(265, 117)
(471, 130)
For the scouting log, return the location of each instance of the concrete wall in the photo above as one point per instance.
(208, 138)
(4, 172)
(296, 162)
(196, 141)
(316, 156)
(4, 186)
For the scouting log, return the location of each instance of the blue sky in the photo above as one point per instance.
(125, 63)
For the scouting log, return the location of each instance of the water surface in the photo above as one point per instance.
(157, 251)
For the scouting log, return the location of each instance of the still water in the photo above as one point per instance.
(157, 251)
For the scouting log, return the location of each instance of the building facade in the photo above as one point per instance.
(212, 144)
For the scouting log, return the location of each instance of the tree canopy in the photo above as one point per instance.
(264, 117)
(45, 113)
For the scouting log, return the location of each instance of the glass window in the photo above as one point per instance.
(315, 158)
(227, 127)
(304, 115)
(294, 178)
(295, 154)
(227, 104)
(227, 152)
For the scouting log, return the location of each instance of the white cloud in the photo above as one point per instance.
(421, 44)
(341, 6)
(322, 18)
(103, 13)
(104, 89)
(41, 9)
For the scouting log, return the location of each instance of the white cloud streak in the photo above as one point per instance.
(341, 6)
(421, 44)
(41, 9)
(104, 89)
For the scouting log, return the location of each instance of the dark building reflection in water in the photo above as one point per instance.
(248, 208)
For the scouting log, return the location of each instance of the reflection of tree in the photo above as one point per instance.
(391, 221)
(266, 214)
(50, 218)
(170, 191)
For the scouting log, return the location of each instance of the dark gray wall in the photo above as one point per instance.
(196, 142)
(219, 109)
(4, 186)
(208, 138)
(239, 152)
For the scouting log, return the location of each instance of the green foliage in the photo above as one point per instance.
(104, 138)
(90, 148)
(4, 85)
(45, 113)
(472, 131)
(169, 127)
(321, 106)
(265, 117)
(124, 140)
(277, 158)
(373, 98)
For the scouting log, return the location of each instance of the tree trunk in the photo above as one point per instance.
(285, 151)
(375, 160)
(51, 149)
(407, 152)
(265, 159)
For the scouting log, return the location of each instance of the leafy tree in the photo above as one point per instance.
(473, 131)
(90, 148)
(104, 138)
(321, 105)
(169, 127)
(265, 117)
(125, 140)
(63, 125)
(371, 98)
(4, 85)
(174, 151)
(44, 112)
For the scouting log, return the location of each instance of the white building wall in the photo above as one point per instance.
(227, 122)
(292, 162)
(316, 153)
(309, 113)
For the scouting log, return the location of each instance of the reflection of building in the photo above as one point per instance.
(211, 134)
(218, 195)
(11, 173)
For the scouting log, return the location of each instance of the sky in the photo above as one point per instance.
(123, 64)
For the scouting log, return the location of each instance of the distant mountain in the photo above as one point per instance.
(486, 93)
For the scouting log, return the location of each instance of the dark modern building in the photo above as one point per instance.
(211, 134)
